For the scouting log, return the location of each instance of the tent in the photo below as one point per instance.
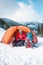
(13, 30)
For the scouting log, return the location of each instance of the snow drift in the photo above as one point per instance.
(2, 31)
(21, 55)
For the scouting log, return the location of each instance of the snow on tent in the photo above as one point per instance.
(14, 30)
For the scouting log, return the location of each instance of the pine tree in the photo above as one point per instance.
(42, 29)
(38, 29)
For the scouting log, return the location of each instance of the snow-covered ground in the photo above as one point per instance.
(21, 55)
(2, 31)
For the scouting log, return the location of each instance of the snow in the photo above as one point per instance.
(2, 31)
(21, 55)
(40, 41)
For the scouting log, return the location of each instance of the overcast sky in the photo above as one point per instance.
(22, 10)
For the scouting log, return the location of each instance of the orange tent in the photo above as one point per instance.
(9, 33)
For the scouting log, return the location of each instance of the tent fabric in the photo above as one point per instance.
(25, 29)
(35, 40)
(7, 36)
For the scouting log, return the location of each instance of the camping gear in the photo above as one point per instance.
(14, 31)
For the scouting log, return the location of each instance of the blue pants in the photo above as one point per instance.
(19, 43)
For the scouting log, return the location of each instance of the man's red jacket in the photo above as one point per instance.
(21, 36)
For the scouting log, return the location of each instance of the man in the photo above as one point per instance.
(20, 38)
(30, 37)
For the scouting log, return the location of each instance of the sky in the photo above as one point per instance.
(22, 10)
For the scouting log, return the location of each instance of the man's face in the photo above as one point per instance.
(20, 31)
